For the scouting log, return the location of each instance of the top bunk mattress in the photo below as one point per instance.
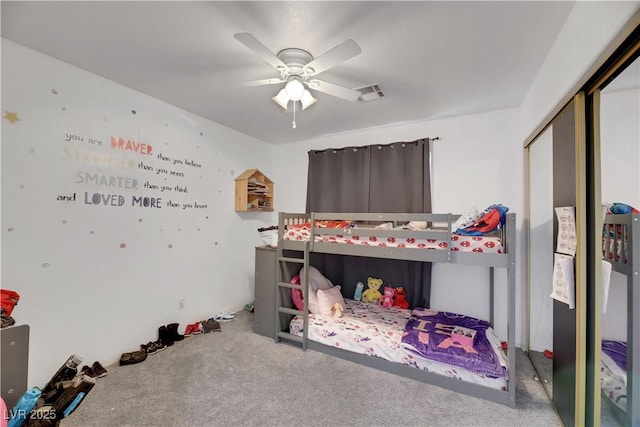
(351, 236)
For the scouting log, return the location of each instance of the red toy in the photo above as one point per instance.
(400, 298)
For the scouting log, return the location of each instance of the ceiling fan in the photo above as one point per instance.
(298, 68)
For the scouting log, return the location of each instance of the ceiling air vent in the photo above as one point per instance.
(370, 93)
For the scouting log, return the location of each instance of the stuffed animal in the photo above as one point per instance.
(400, 298)
(372, 293)
(337, 309)
(387, 297)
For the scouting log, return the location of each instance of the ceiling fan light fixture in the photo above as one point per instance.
(294, 89)
(282, 99)
(307, 100)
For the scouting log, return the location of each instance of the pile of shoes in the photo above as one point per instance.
(8, 300)
(47, 406)
(169, 335)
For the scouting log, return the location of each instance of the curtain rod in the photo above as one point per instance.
(372, 145)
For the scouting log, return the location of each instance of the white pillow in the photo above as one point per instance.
(316, 279)
(328, 297)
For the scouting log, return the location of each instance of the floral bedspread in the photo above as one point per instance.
(377, 331)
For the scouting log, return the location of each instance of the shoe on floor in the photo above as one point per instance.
(133, 357)
(211, 325)
(99, 369)
(172, 331)
(88, 371)
(160, 345)
(149, 348)
(188, 331)
(224, 317)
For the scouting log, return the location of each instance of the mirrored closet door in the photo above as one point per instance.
(541, 257)
(616, 165)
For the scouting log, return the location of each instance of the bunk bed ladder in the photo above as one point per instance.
(282, 308)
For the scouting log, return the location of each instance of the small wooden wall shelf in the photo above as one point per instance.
(254, 192)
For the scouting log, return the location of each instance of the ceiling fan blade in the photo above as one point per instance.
(334, 90)
(261, 50)
(261, 82)
(335, 56)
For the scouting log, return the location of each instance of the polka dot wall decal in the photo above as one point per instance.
(139, 219)
(166, 124)
(31, 150)
(179, 229)
(105, 118)
(123, 245)
(53, 91)
(201, 134)
(45, 265)
(64, 221)
(133, 112)
(215, 243)
(91, 232)
(11, 116)
(10, 229)
(64, 108)
(21, 186)
(170, 246)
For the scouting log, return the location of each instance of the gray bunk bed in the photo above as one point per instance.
(619, 250)
(294, 254)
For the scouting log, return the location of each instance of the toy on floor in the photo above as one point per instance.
(387, 297)
(337, 309)
(372, 293)
(400, 298)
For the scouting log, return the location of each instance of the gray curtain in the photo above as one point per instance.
(376, 178)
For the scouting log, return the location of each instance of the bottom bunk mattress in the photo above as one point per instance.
(614, 373)
(378, 331)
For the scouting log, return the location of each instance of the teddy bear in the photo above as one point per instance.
(372, 293)
(400, 298)
(387, 297)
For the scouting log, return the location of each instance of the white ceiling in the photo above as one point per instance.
(433, 59)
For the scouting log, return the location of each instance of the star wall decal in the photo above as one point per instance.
(11, 116)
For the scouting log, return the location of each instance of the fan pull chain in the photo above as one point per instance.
(294, 115)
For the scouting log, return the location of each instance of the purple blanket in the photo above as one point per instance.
(454, 339)
(617, 350)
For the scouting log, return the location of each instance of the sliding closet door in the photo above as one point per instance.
(568, 323)
(557, 309)
(614, 307)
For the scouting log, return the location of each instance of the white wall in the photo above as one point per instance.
(98, 280)
(590, 28)
(476, 162)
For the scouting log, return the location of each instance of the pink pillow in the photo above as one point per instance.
(328, 297)
(296, 294)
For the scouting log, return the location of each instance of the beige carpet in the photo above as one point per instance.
(238, 378)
